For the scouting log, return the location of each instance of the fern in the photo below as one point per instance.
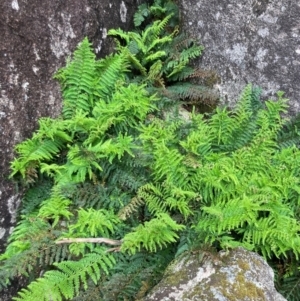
(153, 235)
(68, 278)
(118, 168)
(161, 55)
(78, 76)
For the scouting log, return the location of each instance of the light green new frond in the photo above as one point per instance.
(153, 235)
(155, 43)
(222, 125)
(119, 33)
(68, 279)
(113, 148)
(130, 105)
(55, 208)
(31, 152)
(169, 165)
(153, 32)
(227, 216)
(77, 80)
(274, 109)
(274, 235)
(198, 142)
(93, 223)
(140, 46)
(53, 129)
(20, 239)
(157, 132)
(154, 56)
(154, 198)
(134, 60)
(111, 70)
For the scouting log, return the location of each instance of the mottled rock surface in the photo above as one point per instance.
(255, 41)
(239, 275)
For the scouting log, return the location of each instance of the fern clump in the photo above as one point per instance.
(119, 185)
(161, 56)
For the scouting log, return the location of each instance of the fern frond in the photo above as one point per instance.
(192, 93)
(31, 153)
(141, 14)
(55, 208)
(153, 235)
(153, 32)
(119, 33)
(77, 80)
(67, 280)
(93, 223)
(130, 208)
(111, 70)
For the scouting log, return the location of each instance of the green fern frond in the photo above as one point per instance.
(111, 70)
(55, 208)
(153, 235)
(130, 208)
(31, 152)
(289, 134)
(68, 279)
(153, 32)
(135, 62)
(141, 14)
(77, 80)
(192, 93)
(93, 223)
(119, 33)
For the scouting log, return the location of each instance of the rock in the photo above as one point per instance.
(249, 41)
(36, 38)
(239, 275)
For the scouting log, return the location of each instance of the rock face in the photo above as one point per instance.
(255, 41)
(238, 275)
(36, 38)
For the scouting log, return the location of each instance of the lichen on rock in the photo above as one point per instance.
(233, 276)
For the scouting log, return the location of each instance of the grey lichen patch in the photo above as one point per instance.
(60, 34)
(2, 232)
(237, 53)
(260, 58)
(15, 5)
(263, 32)
(12, 205)
(123, 12)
